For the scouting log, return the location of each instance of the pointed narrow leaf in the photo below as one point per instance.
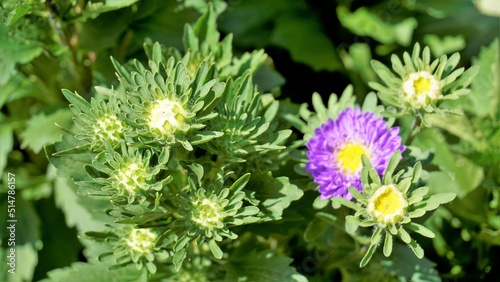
(215, 249)
(388, 244)
(417, 250)
(76, 100)
(368, 255)
(422, 230)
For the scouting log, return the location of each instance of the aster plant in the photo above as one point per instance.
(334, 153)
(175, 150)
(191, 170)
(418, 85)
(391, 205)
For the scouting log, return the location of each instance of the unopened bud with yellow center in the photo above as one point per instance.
(387, 205)
(166, 116)
(421, 89)
(207, 213)
(130, 177)
(349, 157)
(108, 128)
(141, 240)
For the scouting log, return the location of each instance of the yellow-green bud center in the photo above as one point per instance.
(166, 116)
(420, 89)
(108, 128)
(207, 213)
(141, 240)
(387, 205)
(130, 177)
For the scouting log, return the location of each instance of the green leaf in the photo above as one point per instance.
(76, 100)
(351, 224)
(368, 256)
(205, 136)
(459, 175)
(403, 234)
(422, 230)
(71, 165)
(388, 244)
(376, 236)
(41, 130)
(484, 98)
(315, 229)
(417, 250)
(408, 267)
(95, 272)
(27, 254)
(445, 45)
(322, 56)
(442, 198)
(215, 249)
(364, 23)
(96, 8)
(80, 211)
(261, 266)
(27, 227)
(391, 166)
(342, 201)
(7, 141)
(274, 194)
(14, 52)
(240, 183)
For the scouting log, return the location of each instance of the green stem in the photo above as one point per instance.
(415, 129)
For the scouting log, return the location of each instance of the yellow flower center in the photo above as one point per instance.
(349, 157)
(387, 204)
(422, 85)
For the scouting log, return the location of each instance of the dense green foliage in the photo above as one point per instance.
(165, 140)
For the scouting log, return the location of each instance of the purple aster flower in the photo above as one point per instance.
(335, 151)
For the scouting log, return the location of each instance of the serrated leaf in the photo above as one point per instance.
(71, 165)
(458, 174)
(314, 229)
(7, 141)
(484, 98)
(80, 211)
(262, 266)
(365, 23)
(322, 57)
(110, 5)
(274, 194)
(95, 272)
(28, 254)
(13, 52)
(444, 45)
(41, 130)
(408, 267)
